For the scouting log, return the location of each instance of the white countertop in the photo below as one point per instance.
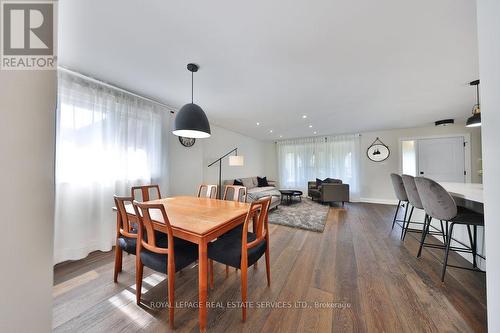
(468, 191)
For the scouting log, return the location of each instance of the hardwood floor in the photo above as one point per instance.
(356, 276)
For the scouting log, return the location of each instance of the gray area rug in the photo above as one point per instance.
(308, 215)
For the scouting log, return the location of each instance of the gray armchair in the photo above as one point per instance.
(330, 190)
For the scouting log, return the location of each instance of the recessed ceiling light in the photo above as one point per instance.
(258, 123)
(310, 126)
(304, 116)
(270, 131)
(315, 132)
(281, 136)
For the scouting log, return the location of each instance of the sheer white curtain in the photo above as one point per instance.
(303, 160)
(107, 140)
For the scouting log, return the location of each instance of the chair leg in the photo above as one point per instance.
(442, 231)
(424, 234)
(475, 246)
(268, 267)
(244, 292)
(139, 267)
(395, 215)
(448, 244)
(211, 269)
(472, 247)
(403, 231)
(118, 262)
(171, 295)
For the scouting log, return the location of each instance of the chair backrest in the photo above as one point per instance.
(259, 209)
(123, 225)
(207, 191)
(151, 218)
(235, 193)
(411, 191)
(437, 202)
(145, 191)
(399, 188)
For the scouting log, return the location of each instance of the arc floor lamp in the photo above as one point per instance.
(235, 160)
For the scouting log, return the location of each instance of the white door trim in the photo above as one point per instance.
(467, 151)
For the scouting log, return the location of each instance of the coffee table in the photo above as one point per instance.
(288, 195)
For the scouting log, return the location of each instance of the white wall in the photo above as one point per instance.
(375, 184)
(489, 68)
(188, 166)
(27, 132)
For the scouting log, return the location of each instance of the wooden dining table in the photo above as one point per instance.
(199, 220)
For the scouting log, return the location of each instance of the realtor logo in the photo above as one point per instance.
(28, 39)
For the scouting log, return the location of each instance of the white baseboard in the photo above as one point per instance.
(379, 201)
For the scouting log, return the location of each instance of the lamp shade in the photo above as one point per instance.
(191, 122)
(474, 121)
(237, 160)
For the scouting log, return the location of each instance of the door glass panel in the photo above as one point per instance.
(409, 157)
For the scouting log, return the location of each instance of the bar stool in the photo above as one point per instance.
(414, 199)
(439, 204)
(399, 189)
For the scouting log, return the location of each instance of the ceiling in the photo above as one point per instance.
(349, 66)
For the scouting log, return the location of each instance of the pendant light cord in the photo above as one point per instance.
(192, 78)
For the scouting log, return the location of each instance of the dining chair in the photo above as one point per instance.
(145, 192)
(207, 191)
(165, 255)
(246, 249)
(439, 204)
(235, 193)
(126, 233)
(416, 202)
(399, 190)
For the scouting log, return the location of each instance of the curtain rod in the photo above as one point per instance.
(86, 77)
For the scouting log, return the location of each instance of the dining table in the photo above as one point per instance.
(199, 220)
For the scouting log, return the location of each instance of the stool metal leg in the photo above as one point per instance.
(442, 232)
(425, 230)
(396, 214)
(403, 231)
(448, 244)
(475, 245)
(472, 247)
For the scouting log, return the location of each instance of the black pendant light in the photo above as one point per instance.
(475, 119)
(191, 121)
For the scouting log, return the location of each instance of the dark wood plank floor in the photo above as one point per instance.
(356, 276)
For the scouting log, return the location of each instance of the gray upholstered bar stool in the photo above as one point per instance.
(399, 190)
(414, 199)
(439, 204)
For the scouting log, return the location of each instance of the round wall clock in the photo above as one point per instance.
(187, 142)
(378, 151)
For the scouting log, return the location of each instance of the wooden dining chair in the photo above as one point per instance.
(207, 191)
(244, 251)
(145, 192)
(235, 193)
(165, 255)
(126, 233)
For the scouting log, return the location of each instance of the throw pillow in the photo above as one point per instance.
(262, 182)
(318, 182)
(332, 181)
(237, 182)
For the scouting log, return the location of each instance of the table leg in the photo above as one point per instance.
(202, 284)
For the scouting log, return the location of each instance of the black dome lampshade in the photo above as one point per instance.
(475, 119)
(191, 121)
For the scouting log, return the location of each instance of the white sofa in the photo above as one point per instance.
(254, 192)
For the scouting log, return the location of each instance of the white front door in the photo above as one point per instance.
(442, 159)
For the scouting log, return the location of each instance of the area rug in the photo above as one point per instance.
(306, 214)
